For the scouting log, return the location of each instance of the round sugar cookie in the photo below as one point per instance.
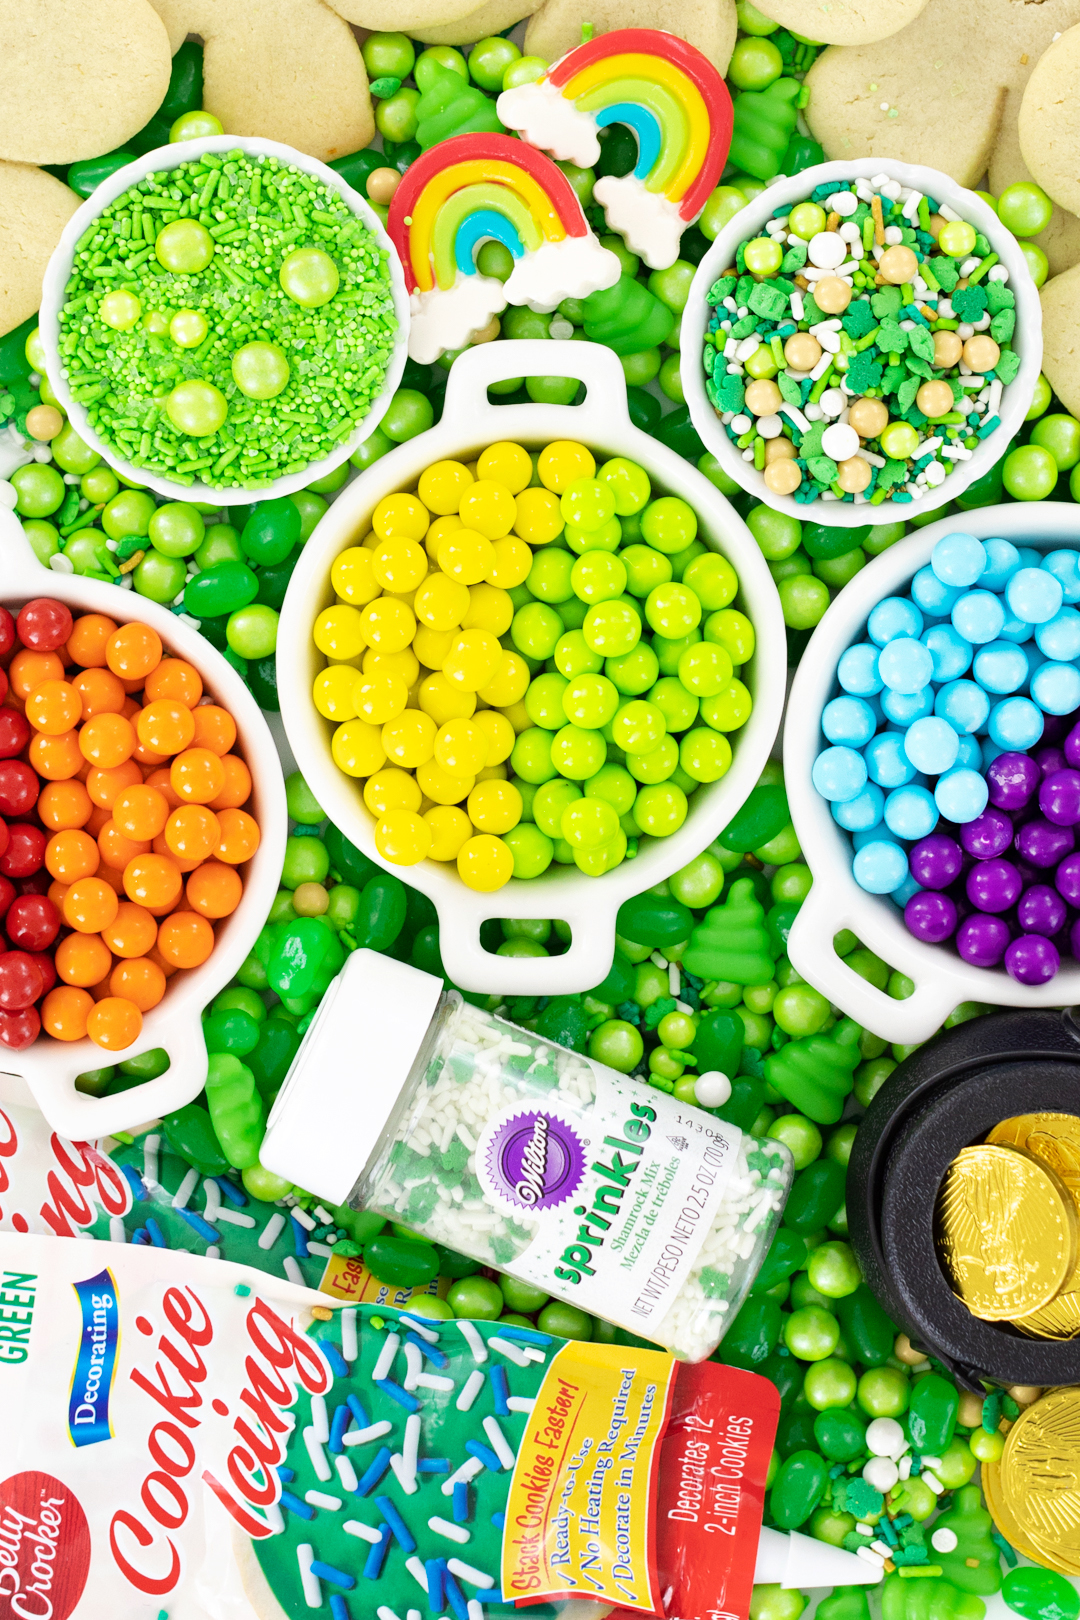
(405, 16)
(1060, 241)
(708, 24)
(34, 208)
(493, 18)
(843, 22)
(1060, 300)
(1049, 123)
(78, 77)
(937, 92)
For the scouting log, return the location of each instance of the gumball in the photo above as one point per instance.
(1043, 844)
(44, 624)
(18, 787)
(20, 981)
(15, 733)
(1031, 959)
(1041, 910)
(988, 835)
(1059, 797)
(994, 885)
(7, 631)
(32, 922)
(25, 853)
(930, 917)
(935, 861)
(982, 940)
(19, 1030)
(1012, 778)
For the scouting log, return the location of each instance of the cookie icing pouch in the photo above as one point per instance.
(214, 1442)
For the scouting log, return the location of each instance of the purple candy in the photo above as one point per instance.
(1072, 747)
(1012, 779)
(1067, 879)
(1041, 911)
(1031, 959)
(1049, 760)
(1059, 798)
(988, 835)
(1043, 844)
(935, 861)
(981, 940)
(930, 917)
(994, 885)
(1055, 727)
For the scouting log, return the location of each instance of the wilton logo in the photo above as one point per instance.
(44, 1548)
(531, 1160)
(95, 1364)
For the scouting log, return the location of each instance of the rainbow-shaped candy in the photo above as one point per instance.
(477, 188)
(675, 102)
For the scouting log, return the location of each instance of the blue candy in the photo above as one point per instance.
(894, 618)
(910, 812)
(839, 773)
(961, 795)
(1000, 667)
(1065, 567)
(1016, 630)
(931, 595)
(399, 1529)
(902, 708)
(862, 812)
(970, 751)
(877, 835)
(857, 670)
(336, 1577)
(950, 651)
(886, 761)
(931, 745)
(1015, 724)
(879, 868)
(978, 616)
(958, 559)
(905, 665)
(1002, 560)
(963, 704)
(1034, 595)
(1055, 688)
(1059, 637)
(903, 894)
(849, 721)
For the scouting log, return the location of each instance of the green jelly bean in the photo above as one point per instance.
(306, 957)
(381, 916)
(425, 953)
(799, 1487)
(654, 920)
(350, 863)
(231, 1030)
(822, 541)
(185, 83)
(85, 176)
(786, 1254)
(679, 434)
(840, 1433)
(618, 984)
(931, 1598)
(796, 1430)
(754, 1334)
(272, 1056)
(867, 1330)
(565, 1020)
(932, 1414)
(779, 921)
(816, 1195)
(718, 1044)
(626, 317)
(846, 1602)
(148, 1065)
(764, 814)
(401, 1262)
(274, 581)
(220, 589)
(235, 1109)
(974, 1564)
(803, 152)
(190, 1134)
(271, 532)
(358, 166)
(745, 1103)
(1040, 1594)
(787, 1373)
(452, 1264)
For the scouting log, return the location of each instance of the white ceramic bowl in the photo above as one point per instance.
(942, 979)
(750, 221)
(58, 272)
(50, 1066)
(469, 423)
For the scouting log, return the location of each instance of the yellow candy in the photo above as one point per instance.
(357, 748)
(509, 683)
(518, 716)
(332, 692)
(505, 463)
(380, 697)
(443, 701)
(562, 461)
(499, 733)
(403, 837)
(493, 773)
(595, 862)
(489, 508)
(539, 516)
(400, 514)
(442, 485)
(466, 555)
(485, 863)
(440, 787)
(513, 559)
(489, 607)
(460, 748)
(473, 659)
(391, 789)
(494, 806)
(352, 577)
(733, 631)
(388, 626)
(450, 827)
(409, 739)
(339, 632)
(729, 709)
(399, 565)
(432, 646)
(404, 663)
(371, 541)
(441, 526)
(441, 602)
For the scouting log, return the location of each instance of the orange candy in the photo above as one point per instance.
(140, 812)
(166, 726)
(239, 836)
(140, 980)
(214, 890)
(54, 707)
(71, 855)
(114, 1023)
(174, 678)
(90, 905)
(100, 816)
(83, 960)
(57, 894)
(29, 670)
(166, 967)
(132, 931)
(215, 728)
(197, 775)
(104, 785)
(159, 778)
(107, 741)
(64, 804)
(160, 846)
(117, 849)
(57, 759)
(237, 789)
(65, 1011)
(113, 876)
(133, 651)
(131, 708)
(185, 940)
(193, 832)
(86, 643)
(152, 881)
(100, 691)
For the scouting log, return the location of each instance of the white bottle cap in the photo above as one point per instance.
(347, 1077)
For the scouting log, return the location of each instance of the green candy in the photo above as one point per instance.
(357, 167)
(732, 943)
(1040, 1594)
(654, 920)
(841, 1434)
(764, 814)
(231, 1030)
(796, 1430)
(565, 1020)
(779, 921)
(822, 541)
(190, 1134)
(626, 317)
(271, 532)
(799, 1487)
(745, 1103)
(401, 1262)
(785, 1256)
(867, 1331)
(222, 588)
(235, 1109)
(381, 916)
(930, 1598)
(272, 1056)
(817, 1073)
(932, 1414)
(85, 177)
(618, 984)
(973, 1528)
(754, 1334)
(763, 125)
(719, 1043)
(349, 862)
(448, 107)
(306, 956)
(816, 1194)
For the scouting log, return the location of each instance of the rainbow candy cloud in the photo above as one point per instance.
(672, 98)
(479, 188)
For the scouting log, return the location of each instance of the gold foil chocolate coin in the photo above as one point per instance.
(1003, 1516)
(1053, 1139)
(1058, 1320)
(1040, 1477)
(1005, 1232)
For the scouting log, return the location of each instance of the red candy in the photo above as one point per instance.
(15, 732)
(47, 968)
(19, 1030)
(32, 922)
(44, 624)
(21, 981)
(7, 631)
(19, 788)
(25, 853)
(7, 895)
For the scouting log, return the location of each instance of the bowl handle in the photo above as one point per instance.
(81, 1117)
(597, 367)
(23, 575)
(586, 961)
(811, 953)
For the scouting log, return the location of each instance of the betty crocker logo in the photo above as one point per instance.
(44, 1548)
